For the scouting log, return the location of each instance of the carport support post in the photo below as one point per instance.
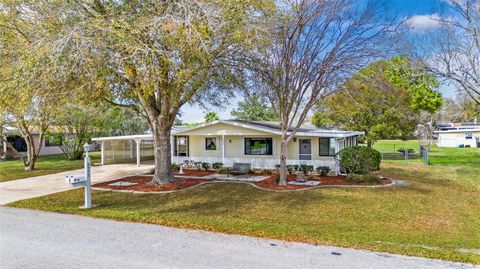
(102, 152)
(138, 143)
(223, 149)
(88, 191)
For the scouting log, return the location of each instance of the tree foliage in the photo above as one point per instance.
(32, 91)
(210, 116)
(383, 100)
(157, 55)
(254, 108)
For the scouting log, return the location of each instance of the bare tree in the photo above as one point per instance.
(315, 46)
(452, 50)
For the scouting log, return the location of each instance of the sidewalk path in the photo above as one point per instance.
(35, 239)
(14, 190)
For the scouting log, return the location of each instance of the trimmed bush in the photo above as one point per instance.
(306, 169)
(277, 167)
(323, 170)
(290, 169)
(354, 178)
(205, 166)
(224, 170)
(266, 171)
(217, 166)
(175, 167)
(198, 165)
(359, 160)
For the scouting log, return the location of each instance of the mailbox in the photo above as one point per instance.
(76, 181)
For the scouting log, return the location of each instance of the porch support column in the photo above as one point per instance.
(138, 142)
(102, 152)
(337, 164)
(223, 149)
(131, 149)
(171, 147)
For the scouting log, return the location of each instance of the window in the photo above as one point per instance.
(210, 143)
(468, 135)
(181, 146)
(258, 146)
(327, 146)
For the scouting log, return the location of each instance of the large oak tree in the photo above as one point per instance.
(159, 55)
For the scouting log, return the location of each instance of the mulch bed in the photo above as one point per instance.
(269, 183)
(195, 173)
(144, 186)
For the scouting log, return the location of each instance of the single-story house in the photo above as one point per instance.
(50, 146)
(461, 135)
(235, 141)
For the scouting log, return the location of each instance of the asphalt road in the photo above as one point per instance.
(34, 239)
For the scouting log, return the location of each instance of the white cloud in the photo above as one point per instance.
(424, 22)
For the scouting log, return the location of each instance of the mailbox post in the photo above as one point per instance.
(85, 180)
(88, 188)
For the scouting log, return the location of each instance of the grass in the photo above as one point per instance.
(391, 146)
(436, 216)
(14, 169)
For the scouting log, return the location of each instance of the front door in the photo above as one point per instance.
(305, 151)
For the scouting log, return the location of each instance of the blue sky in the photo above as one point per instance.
(420, 13)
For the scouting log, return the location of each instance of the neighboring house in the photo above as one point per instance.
(235, 141)
(50, 146)
(459, 135)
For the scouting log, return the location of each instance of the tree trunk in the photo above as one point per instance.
(163, 154)
(369, 144)
(30, 163)
(283, 162)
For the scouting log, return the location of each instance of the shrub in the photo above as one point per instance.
(198, 165)
(277, 167)
(306, 169)
(175, 167)
(354, 178)
(359, 160)
(266, 171)
(371, 178)
(224, 170)
(205, 166)
(323, 170)
(290, 169)
(217, 165)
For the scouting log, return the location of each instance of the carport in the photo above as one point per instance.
(124, 149)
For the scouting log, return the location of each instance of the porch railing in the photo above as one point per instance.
(256, 163)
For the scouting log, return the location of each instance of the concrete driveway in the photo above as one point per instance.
(34, 239)
(14, 190)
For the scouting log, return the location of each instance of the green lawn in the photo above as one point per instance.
(391, 146)
(14, 169)
(437, 215)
